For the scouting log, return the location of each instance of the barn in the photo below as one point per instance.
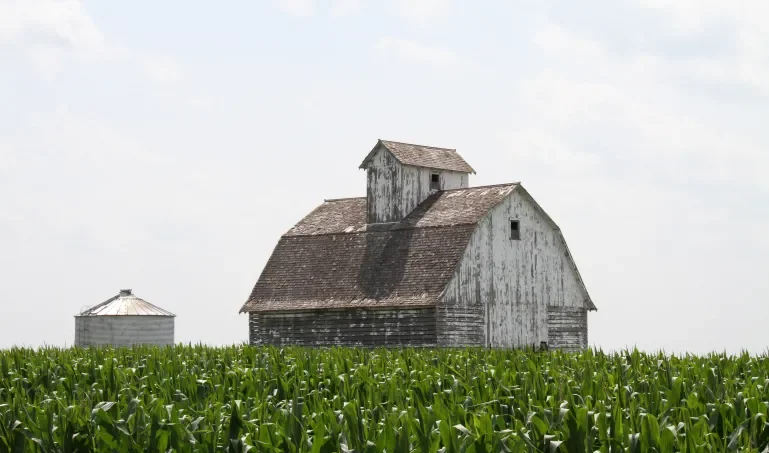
(124, 320)
(422, 260)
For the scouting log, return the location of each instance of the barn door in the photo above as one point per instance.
(566, 328)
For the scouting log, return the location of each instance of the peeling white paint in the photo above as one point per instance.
(394, 189)
(509, 284)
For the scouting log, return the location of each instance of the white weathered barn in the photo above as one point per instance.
(124, 320)
(423, 260)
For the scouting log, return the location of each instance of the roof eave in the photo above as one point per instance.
(302, 308)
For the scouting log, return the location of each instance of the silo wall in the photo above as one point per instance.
(124, 330)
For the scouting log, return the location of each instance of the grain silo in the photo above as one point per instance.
(124, 320)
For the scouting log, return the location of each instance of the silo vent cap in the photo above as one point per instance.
(125, 292)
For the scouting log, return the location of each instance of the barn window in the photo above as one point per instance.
(515, 230)
(435, 181)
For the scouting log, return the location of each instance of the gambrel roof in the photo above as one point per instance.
(333, 259)
(422, 156)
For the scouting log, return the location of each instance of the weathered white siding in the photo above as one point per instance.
(502, 287)
(449, 179)
(123, 330)
(394, 190)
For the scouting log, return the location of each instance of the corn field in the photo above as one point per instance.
(238, 399)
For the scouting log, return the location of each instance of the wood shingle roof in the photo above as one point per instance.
(333, 259)
(422, 156)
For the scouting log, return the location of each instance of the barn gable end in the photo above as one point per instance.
(506, 292)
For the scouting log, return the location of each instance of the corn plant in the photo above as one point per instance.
(195, 398)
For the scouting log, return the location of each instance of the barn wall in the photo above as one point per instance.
(449, 179)
(460, 313)
(567, 328)
(382, 195)
(404, 327)
(123, 330)
(511, 283)
(394, 190)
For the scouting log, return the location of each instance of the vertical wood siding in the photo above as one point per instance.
(461, 311)
(450, 179)
(503, 287)
(394, 190)
(567, 328)
(123, 330)
(350, 327)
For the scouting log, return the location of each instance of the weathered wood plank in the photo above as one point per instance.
(413, 327)
(567, 328)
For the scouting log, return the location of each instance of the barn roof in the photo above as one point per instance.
(125, 304)
(446, 208)
(332, 259)
(422, 156)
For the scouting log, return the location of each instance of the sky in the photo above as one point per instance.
(166, 146)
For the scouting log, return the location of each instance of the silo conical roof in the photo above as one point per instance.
(125, 304)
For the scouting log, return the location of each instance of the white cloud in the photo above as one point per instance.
(296, 7)
(7, 158)
(745, 23)
(695, 15)
(62, 23)
(423, 12)
(162, 69)
(632, 96)
(200, 101)
(417, 52)
(48, 32)
(554, 39)
(344, 7)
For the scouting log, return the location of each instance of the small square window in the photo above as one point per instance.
(515, 230)
(435, 181)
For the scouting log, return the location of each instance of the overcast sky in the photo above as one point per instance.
(165, 147)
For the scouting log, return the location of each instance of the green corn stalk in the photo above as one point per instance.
(191, 398)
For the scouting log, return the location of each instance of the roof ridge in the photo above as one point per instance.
(417, 144)
(516, 183)
(404, 228)
(488, 186)
(331, 200)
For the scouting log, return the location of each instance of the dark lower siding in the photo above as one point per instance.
(253, 329)
(567, 328)
(359, 327)
(460, 326)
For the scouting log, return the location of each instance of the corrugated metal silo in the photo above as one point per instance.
(124, 320)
